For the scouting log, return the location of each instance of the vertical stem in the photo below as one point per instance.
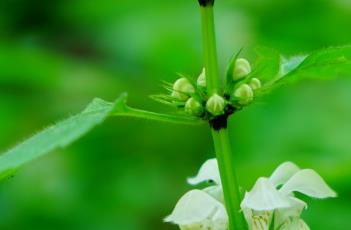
(226, 163)
(210, 50)
(223, 150)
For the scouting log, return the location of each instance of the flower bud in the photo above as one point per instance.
(215, 104)
(255, 83)
(201, 80)
(193, 107)
(181, 88)
(244, 93)
(241, 69)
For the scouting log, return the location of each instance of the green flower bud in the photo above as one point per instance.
(201, 80)
(241, 69)
(244, 93)
(181, 88)
(193, 107)
(255, 83)
(215, 104)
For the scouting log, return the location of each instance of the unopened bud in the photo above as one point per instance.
(201, 80)
(215, 104)
(241, 69)
(182, 88)
(193, 107)
(244, 93)
(255, 83)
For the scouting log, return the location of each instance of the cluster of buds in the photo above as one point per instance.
(191, 94)
(244, 89)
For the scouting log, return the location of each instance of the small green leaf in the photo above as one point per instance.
(67, 131)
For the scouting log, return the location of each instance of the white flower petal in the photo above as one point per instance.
(216, 192)
(308, 182)
(264, 197)
(208, 172)
(258, 220)
(295, 224)
(283, 173)
(196, 207)
(284, 215)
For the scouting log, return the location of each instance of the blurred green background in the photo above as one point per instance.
(55, 56)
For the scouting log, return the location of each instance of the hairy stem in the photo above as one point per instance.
(225, 156)
(176, 119)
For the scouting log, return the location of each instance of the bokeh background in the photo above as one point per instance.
(55, 56)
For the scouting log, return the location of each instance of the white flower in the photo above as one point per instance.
(270, 199)
(266, 201)
(202, 209)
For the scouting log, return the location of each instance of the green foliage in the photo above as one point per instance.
(67, 131)
(323, 64)
(267, 65)
(275, 70)
(59, 135)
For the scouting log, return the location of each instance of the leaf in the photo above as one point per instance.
(323, 64)
(59, 135)
(67, 131)
(290, 64)
(267, 65)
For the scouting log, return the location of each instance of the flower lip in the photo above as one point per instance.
(195, 207)
(264, 197)
(283, 173)
(308, 182)
(208, 172)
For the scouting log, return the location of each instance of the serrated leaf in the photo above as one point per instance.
(56, 136)
(67, 131)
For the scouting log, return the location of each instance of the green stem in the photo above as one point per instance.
(138, 113)
(225, 156)
(226, 163)
(210, 50)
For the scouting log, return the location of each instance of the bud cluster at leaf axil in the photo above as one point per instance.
(191, 95)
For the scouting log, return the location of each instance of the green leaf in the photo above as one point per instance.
(323, 64)
(67, 131)
(267, 65)
(59, 135)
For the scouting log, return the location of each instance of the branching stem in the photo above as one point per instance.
(226, 158)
